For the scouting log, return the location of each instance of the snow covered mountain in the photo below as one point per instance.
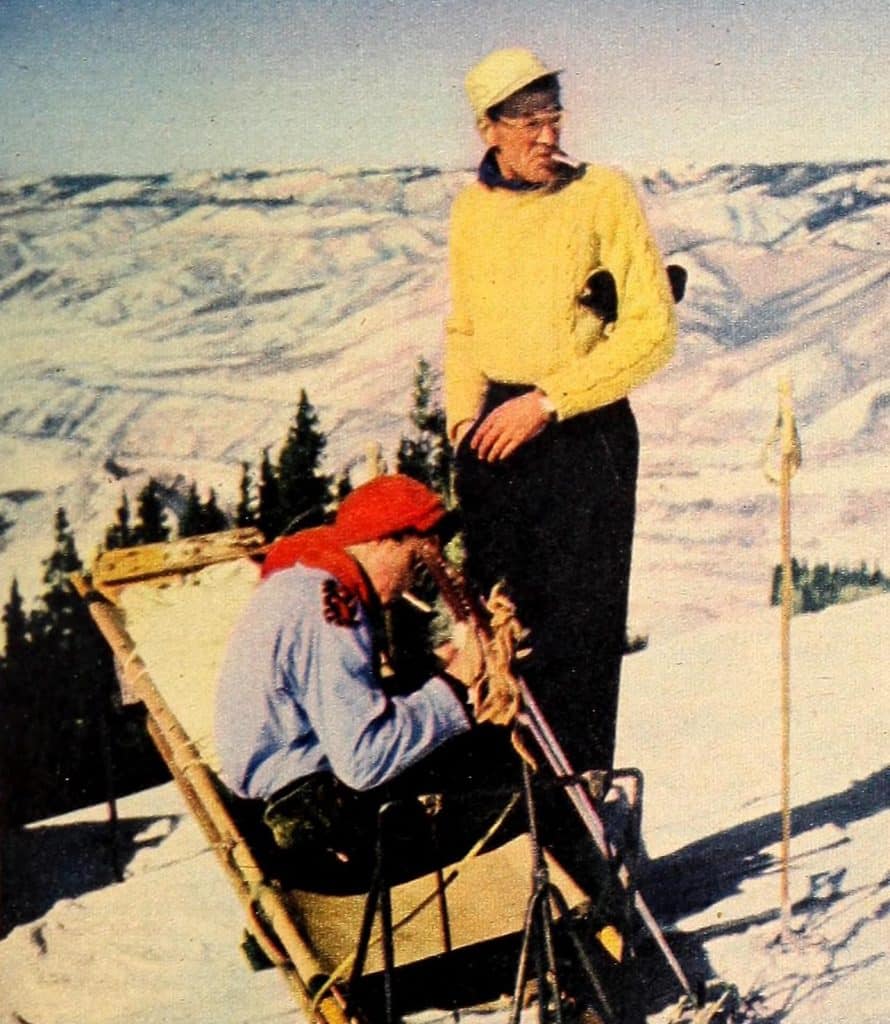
(165, 324)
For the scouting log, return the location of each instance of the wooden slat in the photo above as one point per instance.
(119, 566)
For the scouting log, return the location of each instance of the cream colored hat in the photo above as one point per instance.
(499, 75)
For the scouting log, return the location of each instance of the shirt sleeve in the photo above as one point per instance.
(367, 736)
(644, 335)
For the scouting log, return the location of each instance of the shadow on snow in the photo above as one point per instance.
(42, 864)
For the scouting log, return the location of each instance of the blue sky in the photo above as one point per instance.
(156, 85)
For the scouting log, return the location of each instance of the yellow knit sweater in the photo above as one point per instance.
(519, 261)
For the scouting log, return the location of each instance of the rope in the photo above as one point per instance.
(341, 971)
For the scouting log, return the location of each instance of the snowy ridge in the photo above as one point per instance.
(164, 325)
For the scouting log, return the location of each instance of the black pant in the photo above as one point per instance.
(555, 521)
(326, 833)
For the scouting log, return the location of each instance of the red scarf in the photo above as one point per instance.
(318, 548)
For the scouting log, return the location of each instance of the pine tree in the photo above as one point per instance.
(775, 594)
(15, 704)
(342, 486)
(213, 519)
(190, 524)
(151, 524)
(15, 621)
(426, 454)
(58, 764)
(269, 505)
(57, 683)
(200, 517)
(304, 492)
(120, 535)
(245, 513)
(825, 592)
(58, 614)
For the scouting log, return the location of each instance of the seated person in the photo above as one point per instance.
(305, 723)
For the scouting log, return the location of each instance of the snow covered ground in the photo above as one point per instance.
(699, 715)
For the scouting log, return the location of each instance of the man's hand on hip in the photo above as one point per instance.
(510, 425)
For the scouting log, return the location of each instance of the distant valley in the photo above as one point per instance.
(164, 325)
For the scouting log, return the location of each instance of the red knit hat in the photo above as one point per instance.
(385, 506)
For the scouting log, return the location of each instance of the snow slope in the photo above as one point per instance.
(165, 324)
(698, 715)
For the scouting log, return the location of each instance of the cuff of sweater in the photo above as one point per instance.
(461, 694)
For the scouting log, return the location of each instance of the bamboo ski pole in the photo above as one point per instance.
(786, 433)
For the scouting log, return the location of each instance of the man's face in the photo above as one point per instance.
(525, 145)
(397, 568)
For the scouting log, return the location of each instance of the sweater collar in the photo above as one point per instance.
(489, 174)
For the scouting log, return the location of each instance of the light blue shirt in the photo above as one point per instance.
(299, 694)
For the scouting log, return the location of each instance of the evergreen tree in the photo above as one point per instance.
(245, 513)
(120, 534)
(213, 519)
(58, 762)
(342, 486)
(304, 492)
(775, 593)
(825, 586)
(190, 524)
(426, 454)
(15, 704)
(151, 524)
(57, 618)
(57, 687)
(200, 517)
(269, 505)
(799, 572)
(15, 621)
(825, 592)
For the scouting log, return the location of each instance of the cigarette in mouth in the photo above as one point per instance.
(558, 157)
(417, 602)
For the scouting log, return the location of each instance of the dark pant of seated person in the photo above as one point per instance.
(326, 833)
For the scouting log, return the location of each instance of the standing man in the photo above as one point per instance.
(540, 358)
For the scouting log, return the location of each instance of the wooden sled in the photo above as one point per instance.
(166, 611)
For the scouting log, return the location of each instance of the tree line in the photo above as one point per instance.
(65, 739)
(824, 585)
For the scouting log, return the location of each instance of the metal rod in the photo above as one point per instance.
(581, 800)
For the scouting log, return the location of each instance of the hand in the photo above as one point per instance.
(463, 656)
(510, 425)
